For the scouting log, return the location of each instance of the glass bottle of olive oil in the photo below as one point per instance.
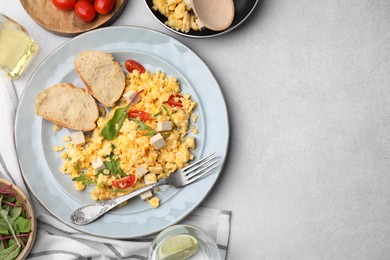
(17, 48)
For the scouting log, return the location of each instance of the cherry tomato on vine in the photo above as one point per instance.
(64, 4)
(85, 10)
(104, 6)
(124, 182)
(133, 65)
(143, 116)
(174, 100)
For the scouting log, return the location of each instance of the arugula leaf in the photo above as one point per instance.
(82, 177)
(114, 166)
(166, 110)
(121, 173)
(111, 129)
(145, 127)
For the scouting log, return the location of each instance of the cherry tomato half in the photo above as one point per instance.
(104, 6)
(85, 10)
(133, 65)
(174, 100)
(125, 182)
(143, 116)
(64, 4)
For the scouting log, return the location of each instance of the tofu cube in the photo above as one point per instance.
(150, 178)
(129, 96)
(157, 141)
(98, 164)
(141, 171)
(146, 195)
(164, 126)
(78, 138)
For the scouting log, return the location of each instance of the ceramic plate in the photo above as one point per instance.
(35, 137)
(242, 8)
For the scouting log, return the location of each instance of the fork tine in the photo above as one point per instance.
(199, 163)
(203, 171)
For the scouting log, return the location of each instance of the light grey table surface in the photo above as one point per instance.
(307, 85)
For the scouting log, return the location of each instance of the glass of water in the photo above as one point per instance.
(17, 48)
(183, 242)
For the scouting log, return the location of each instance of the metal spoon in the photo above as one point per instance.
(216, 15)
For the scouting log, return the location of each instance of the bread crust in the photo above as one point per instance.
(102, 75)
(68, 106)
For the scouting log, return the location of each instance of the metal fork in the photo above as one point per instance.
(180, 178)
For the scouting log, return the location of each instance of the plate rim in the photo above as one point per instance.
(225, 152)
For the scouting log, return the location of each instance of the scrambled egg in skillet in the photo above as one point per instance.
(179, 14)
(161, 112)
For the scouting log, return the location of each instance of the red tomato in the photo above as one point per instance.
(104, 6)
(124, 182)
(64, 4)
(133, 65)
(87, 0)
(85, 11)
(174, 101)
(143, 116)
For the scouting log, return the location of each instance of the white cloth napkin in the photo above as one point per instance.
(55, 240)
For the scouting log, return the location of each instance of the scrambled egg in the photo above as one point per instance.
(132, 149)
(179, 14)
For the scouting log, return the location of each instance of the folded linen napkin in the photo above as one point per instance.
(56, 240)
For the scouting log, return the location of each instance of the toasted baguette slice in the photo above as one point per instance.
(68, 106)
(102, 75)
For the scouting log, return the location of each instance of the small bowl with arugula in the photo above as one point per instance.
(17, 222)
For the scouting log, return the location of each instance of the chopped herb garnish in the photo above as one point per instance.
(82, 177)
(166, 110)
(113, 165)
(144, 127)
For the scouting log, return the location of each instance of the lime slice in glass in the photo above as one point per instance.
(181, 247)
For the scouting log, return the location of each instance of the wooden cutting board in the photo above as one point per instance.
(67, 23)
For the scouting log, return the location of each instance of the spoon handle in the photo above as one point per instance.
(89, 213)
